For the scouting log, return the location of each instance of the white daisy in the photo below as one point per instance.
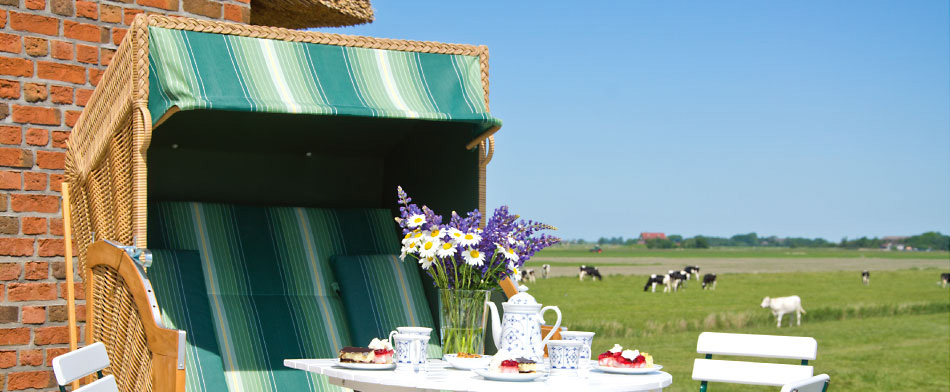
(428, 247)
(446, 250)
(416, 220)
(470, 239)
(456, 234)
(426, 262)
(413, 238)
(436, 234)
(405, 250)
(509, 253)
(473, 257)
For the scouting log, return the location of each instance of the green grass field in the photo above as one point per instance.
(892, 335)
(734, 252)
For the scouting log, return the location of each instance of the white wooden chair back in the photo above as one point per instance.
(755, 373)
(83, 362)
(818, 383)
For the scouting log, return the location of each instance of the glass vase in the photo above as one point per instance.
(463, 314)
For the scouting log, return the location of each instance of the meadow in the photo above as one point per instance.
(891, 335)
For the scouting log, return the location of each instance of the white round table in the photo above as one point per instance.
(442, 377)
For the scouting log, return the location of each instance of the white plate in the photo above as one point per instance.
(607, 369)
(495, 376)
(467, 363)
(366, 366)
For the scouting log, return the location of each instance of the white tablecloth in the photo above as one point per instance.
(442, 377)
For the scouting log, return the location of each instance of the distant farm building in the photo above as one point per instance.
(645, 236)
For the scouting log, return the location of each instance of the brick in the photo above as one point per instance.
(211, 9)
(33, 181)
(104, 34)
(51, 335)
(26, 380)
(16, 157)
(3, 207)
(10, 43)
(34, 92)
(55, 182)
(31, 357)
(14, 336)
(62, 50)
(16, 67)
(36, 270)
(237, 13)
(37, 137)
(51, 247)
(9, 314)
(10, 271)
(10, 180)
(110, 13)
(16, 247)
(59, 139)
(35, 203)
(81, 311)
(36, 4)
(10, 134)
(62, 72)
(61, 94)
(81, 31)
(77, 291)
(9, 225)
(87, 9)
(130, 14)
(33, 315)
(35, 115)
(51, 159)
(53, 353)
(170, 5)
(87, 54)
(62, 7)
(19, 292)
(105, 56)
(9, 89)
(117, 35)
(7, 359)
(36, 47)
(4, 110)
(33, 225)
(57, 313)
(72, 116)
(34, 23)
(56, 226)
(3, 17)
(58, 269)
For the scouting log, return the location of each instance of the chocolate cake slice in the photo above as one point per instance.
(357, 355)
(526, 365)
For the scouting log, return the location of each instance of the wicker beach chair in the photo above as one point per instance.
(224, 179)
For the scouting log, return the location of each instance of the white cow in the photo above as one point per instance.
(545, 270)
(783, 305)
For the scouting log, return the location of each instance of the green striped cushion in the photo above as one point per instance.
(178, 283)
(270, 288)
(380, 293)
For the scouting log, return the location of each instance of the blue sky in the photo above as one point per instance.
(810, 118)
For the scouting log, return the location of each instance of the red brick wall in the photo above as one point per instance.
(52, 55)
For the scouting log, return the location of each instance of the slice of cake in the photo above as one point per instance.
(526, 365)
(382, 350)
(357, 355)
(509, 366)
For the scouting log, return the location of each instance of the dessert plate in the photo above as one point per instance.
(467, 363)
(495, 376)
(607, 369)
(365, 366)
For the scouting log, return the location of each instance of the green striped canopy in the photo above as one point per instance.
(192, 70)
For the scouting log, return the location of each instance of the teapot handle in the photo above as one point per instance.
(557, 324)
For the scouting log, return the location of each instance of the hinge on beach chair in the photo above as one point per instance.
(141, 256)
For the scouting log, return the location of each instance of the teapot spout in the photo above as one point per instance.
(495, 324)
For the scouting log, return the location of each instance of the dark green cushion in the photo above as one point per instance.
(179, 288)
(380, 293)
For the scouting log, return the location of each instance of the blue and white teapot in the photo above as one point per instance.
(520, 332)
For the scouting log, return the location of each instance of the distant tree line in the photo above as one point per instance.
(929, 240)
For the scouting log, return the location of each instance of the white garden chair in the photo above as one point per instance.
(74, 365)
(756, 373)
(818, 383)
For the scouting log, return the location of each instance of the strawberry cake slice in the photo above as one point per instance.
(617, 357)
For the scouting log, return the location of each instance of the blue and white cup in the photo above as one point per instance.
(410, 352)
(587, 338)
(424, 331)
(565, 356)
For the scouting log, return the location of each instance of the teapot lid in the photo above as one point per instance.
(522, 298)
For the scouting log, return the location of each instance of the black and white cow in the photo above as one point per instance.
(589, 270)
(527, 275)
(692, 270)
(944, 279)
(545, 270)
(675, 279)
(709, 279)
(866, 277)
(654, 280)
